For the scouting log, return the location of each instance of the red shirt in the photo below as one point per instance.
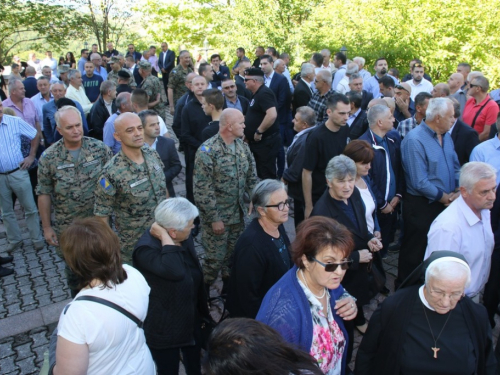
(488, 115)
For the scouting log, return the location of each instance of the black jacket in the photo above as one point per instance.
(172, 315)
(301, 96)
(295, 160)
(98, 116)
(241, 89)
(165, 147)
(358, 126)
(464, 139)
(366, 98)
(257, 266)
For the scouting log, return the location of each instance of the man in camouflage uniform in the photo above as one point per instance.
(116, 66)
(131, 185)
(152, 85)
(68, 172)
(177, 79)
(224, 170)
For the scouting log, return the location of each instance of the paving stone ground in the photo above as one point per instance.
(33, 297)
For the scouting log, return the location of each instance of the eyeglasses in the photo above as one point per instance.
(442, 295)
(399, 87)
(249, 79)
(281, 205)
(331, 267)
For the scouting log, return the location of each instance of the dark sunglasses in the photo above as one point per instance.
(472, 86)
(331, 267)
(399, 87)
(249, 79)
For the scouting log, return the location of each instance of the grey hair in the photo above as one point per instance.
(375, 113)
(437, 106)
(143, 115)
(63, 110)
(258, 79)
(262, 193)
(359, 60)
(121, 99)
(277, 62)
(12, 83)
(352, 68)
(43, 78)
(339, 167)
(482, 82)
(354, 76)
(306, 69)
(72, 73)
(327, 51)
(474, 74)
(175, 213)
(448, 270)
(325, 75)
(57, 83)
(307, 115)
(471, 173)
(106, 86)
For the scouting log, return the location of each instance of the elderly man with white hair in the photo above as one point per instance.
(431, 170)
(343, 86)
(280, 67)
(465, 226)
(303, 89)
(362, 71)
(429, 327)
(76, 91)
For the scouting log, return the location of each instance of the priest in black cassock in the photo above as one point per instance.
(429, 327)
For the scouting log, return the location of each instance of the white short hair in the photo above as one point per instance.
(471, 173)
(437, 106)
(175, 213)
(448, 270)
(61, 111)
(359, 60)
(306, 69)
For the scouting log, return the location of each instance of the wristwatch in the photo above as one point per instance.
(258, 132)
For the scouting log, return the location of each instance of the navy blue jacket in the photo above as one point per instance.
(379, 173)
(281, 88)
(398, 115)
(221, 75)
(30, 87)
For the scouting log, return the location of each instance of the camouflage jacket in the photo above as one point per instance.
(152, 85)
(177, 81)
(131, 192)
(221, 177)
(71, 183)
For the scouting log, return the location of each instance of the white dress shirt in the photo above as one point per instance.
(458, 229)
(267, 80)
(423, 86)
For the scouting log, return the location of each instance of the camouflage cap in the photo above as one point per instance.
(145, 64)
(63, 68)
(114, 59)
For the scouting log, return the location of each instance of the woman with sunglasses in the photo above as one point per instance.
(261, 255)
(343, 203)
(308, 305)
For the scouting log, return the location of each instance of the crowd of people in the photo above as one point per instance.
(364, 160)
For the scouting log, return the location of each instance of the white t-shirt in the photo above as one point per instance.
(116, 344)
(370, 207)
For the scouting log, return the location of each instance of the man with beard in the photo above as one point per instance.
(419, 84)
(372, 84)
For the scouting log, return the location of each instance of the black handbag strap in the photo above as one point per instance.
(105, 302)
(478, 112)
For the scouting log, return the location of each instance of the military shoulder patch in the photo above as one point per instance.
(174, 71)
(205, 148)
(105, 184)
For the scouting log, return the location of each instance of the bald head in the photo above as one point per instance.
(122, 121)
(441, 90)
(228, 115)
(455, 81)
(390, 103)
(231, 124)
(379, 101)
(189, 80)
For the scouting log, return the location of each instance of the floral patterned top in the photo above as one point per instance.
(328, 343)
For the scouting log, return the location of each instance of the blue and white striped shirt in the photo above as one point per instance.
(11, 129)
(430, 169)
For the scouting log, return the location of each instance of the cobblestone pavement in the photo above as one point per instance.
(32, 299)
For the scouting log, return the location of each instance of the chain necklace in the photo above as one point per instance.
(307, 286)
(435, 349)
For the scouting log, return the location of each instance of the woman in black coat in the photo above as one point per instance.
(343, 203)
(166, 257)
(261, 255)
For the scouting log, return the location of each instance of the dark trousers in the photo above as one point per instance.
(167, 360)
(491, 296)
(418, 215)
(164, 78)
(387, 224)
(189, 157)
(298, 211)
(265, 154)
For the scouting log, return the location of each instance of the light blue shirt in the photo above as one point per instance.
(488, 152)
(430, 169)
(108, 131)
(103, 73)
(339, 74)
(371, 85)
(236, 105)
(39, 102)
(11, 130)
(365, 74)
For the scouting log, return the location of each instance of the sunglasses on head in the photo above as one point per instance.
(331, 267)
(399, 87)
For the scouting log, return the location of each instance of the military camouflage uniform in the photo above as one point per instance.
(177, 81)
(131, 192)
(113, 76)
(71, 183)
(152, 85)
(221, 177)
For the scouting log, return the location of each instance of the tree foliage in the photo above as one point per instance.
(440, 32)
(35, 23)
